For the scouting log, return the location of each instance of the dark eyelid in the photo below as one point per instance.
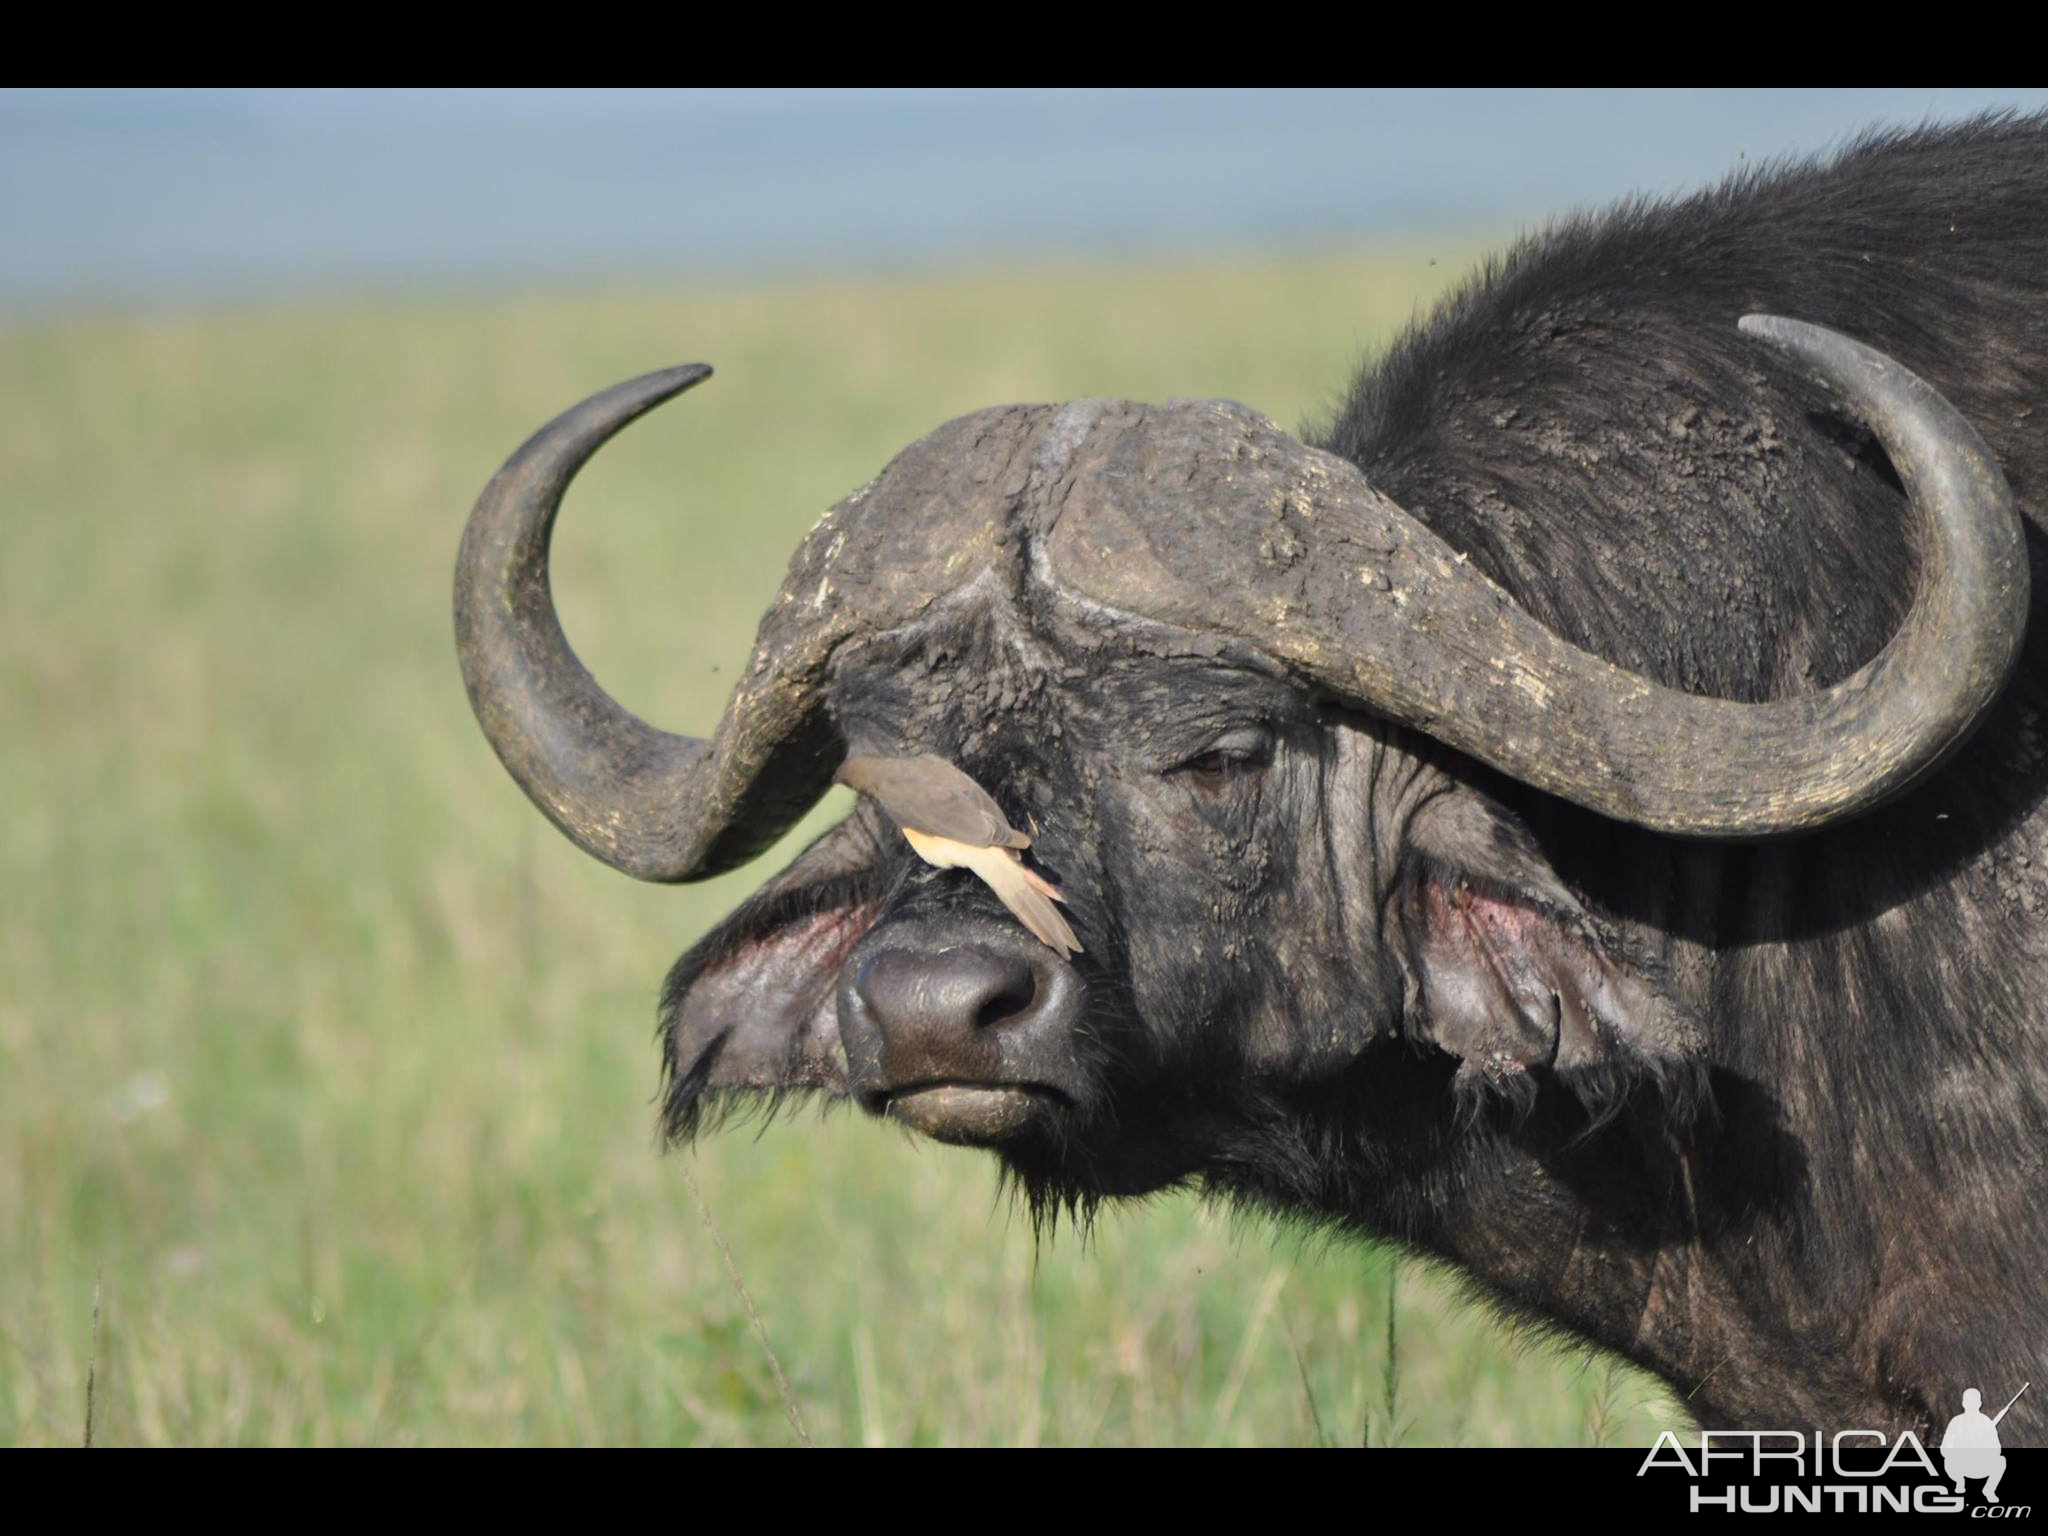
(1245, 741)
(1244, 746)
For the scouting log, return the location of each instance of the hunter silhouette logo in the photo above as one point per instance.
(1818, 1471)
(1969, 1446)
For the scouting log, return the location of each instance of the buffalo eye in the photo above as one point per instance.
(1231, 757)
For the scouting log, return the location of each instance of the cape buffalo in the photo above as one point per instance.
(1577, 812)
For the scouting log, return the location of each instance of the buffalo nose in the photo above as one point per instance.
(924, 1007)
(909, 994)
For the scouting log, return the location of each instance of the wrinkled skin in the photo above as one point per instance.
(1767, 1120)
(1329, 971)
(1214, 819)
(1304, 932)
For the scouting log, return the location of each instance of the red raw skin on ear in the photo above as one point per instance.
(1506, 986)
(1509, 972)
(769, 1005)
(762, 1010)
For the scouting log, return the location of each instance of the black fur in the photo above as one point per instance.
(1582, 421)
(1798, 1164)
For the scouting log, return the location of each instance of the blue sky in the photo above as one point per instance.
(168, 196)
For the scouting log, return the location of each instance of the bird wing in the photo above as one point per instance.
(931, 795)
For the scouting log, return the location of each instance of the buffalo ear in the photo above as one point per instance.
(1508, 972)
(752, 1008)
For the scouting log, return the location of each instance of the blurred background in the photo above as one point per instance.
(326, 1067)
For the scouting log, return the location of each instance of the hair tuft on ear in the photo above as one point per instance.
(1510, 974)
(749, 1016)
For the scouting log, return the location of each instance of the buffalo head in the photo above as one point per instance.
(1244, 708)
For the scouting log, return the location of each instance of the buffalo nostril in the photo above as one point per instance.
(1014, 1000)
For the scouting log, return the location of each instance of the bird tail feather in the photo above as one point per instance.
(1025, 894)
(1040, 884)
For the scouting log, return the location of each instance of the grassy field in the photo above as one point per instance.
(329, 1065)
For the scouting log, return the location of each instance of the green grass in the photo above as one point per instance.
(333, 1064)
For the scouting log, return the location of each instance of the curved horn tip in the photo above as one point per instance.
(638, 396)
(666, 383)
(1814, 343)
(683, 375)
(572, 437)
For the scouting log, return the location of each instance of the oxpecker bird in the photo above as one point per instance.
(951, 823)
